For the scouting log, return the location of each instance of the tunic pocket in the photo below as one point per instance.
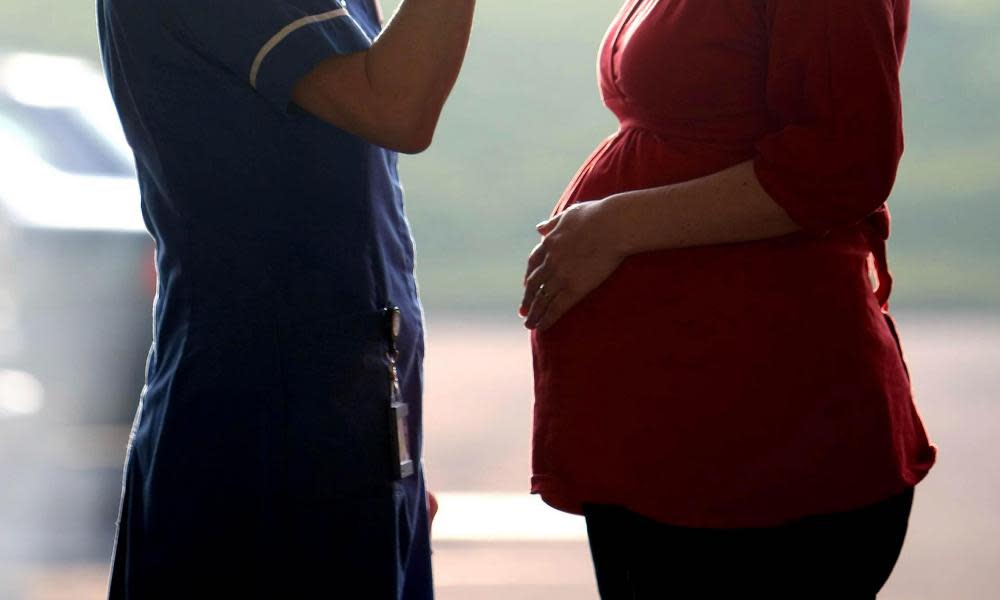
(336, 407)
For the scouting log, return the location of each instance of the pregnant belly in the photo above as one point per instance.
(635, 158)
(684, 359)
(683, 304)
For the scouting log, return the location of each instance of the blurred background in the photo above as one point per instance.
(76, 284)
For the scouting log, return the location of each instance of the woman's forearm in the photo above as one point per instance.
(581, 247)
(725, 207)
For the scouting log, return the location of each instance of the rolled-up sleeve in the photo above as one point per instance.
(268, 44)
(834, 100)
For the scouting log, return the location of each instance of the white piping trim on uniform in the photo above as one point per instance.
(287, 31)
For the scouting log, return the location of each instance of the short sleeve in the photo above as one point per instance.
(834, 100)
(270, 44)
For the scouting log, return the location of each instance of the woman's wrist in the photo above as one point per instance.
(619, 226)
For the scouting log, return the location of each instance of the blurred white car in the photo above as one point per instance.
(76, 263)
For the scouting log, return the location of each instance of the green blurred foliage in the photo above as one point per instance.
(526, 113)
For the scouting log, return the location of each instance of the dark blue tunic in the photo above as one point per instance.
(261, 463)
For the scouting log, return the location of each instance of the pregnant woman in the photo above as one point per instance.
(719, 387)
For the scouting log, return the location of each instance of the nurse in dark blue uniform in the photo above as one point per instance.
(264, 458)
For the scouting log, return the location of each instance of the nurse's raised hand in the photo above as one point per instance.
(578, 252)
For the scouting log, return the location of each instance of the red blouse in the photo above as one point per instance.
(750, 384)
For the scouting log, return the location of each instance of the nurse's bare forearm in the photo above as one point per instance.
(393, 93)
(726, 207)
(414, 64)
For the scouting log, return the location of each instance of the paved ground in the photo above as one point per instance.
(58, 484)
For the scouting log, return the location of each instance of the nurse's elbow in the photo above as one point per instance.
(403, 138)
(409, 129)
(416, 140)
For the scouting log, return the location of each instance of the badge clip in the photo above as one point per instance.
(399, 425)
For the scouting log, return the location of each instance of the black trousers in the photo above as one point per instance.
(843, 556)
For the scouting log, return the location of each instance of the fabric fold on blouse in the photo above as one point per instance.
(833, 93)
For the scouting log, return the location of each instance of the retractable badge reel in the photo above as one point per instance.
(398, 410)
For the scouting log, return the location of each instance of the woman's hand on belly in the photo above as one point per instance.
(584, 245)
(578, 252)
